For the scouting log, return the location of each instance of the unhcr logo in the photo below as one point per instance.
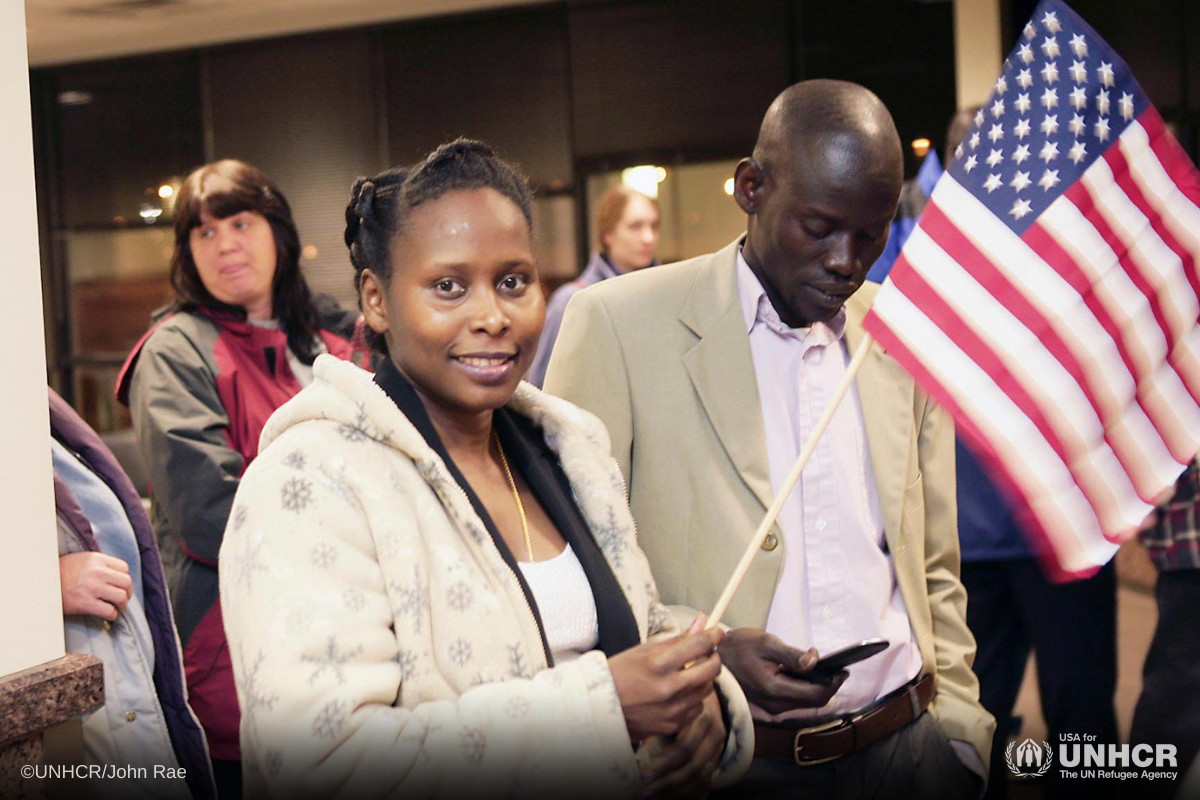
(1094, 760)
(1030, 759)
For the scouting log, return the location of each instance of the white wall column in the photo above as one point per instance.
(31, 626)
(977, 54)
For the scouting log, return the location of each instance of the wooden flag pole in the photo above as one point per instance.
(752, 548)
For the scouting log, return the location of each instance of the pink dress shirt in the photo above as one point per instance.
(837, 584)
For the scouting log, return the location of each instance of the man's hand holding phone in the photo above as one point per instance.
(779, 678)
(833, 664)
(774, 675)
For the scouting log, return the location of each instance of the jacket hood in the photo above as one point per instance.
(346, 394)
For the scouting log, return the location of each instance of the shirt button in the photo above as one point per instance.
(827, 613)
(771, 542)
(821, 524)
(107, 625)
(131, 716)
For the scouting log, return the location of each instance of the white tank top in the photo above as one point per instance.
(566, 603)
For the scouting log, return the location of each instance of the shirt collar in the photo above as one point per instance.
(757, 309)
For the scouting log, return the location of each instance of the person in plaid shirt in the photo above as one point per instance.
(1168, 712)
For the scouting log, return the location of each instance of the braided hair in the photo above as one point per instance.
(379, 207)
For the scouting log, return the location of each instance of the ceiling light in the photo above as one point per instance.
(729, 186)
(71, 97)
(643, 179)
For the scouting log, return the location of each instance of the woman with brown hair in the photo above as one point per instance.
(238, 341)
(627, 228)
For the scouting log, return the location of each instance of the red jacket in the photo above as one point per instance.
(201, 387)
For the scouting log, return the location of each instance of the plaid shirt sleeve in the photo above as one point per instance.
(1174, 541)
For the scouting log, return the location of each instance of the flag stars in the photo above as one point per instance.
(1050, 98)
(996, 133)
(970, 163)
(1050, 72)
(998, 108)
(1079, 72)
(1078, 152)
(1021, 104)
(1126, 106)
(1102, 103)
(1024, 79)
(1079, 98)
(992, 183)
(1050, 47)
(1077, 125)
(1105, 71)
(1049, 152)
(1102, 129)
(1049, 124)
(1025, 53)
(1020, 209)
(974, 141)
(1079, 46)
(1030, 31)
(1021, 154)
(1001, 85)
(1022, 128)
(1049, 179)
(1050, 20)
(994, 158)
(958, 151)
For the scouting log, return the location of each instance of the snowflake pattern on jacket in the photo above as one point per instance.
(381, 645)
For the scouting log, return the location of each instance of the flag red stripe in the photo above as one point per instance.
(984, 271)
(1093, 483)
(914, 286)
(1080, 194)
(1040, 538)
(1053, 253)
(979, 265)
(1171, 155)
(1042, 241)
(1124, 178)
(1123, 175)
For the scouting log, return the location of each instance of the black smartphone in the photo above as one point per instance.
(832, 663)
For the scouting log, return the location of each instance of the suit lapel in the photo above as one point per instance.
(885, 394)
(721, 368)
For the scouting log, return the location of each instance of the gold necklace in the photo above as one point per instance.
(516, 496)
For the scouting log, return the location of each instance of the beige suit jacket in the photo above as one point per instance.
(662, 356)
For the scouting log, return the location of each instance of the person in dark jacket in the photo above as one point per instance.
(115, 607)
(237, 343)
(1013, 608)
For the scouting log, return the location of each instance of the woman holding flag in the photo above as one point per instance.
(431, 583)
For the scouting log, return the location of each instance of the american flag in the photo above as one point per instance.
(1048, 297)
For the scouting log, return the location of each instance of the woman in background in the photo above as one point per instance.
(239, 341)
(432, 584)
(627, 229)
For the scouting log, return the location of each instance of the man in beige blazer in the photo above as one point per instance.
(664, 358)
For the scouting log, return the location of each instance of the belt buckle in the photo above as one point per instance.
(833, 724)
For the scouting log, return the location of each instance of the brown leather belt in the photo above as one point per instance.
(838, 737)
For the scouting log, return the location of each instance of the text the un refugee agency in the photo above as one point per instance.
(1081, 756)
